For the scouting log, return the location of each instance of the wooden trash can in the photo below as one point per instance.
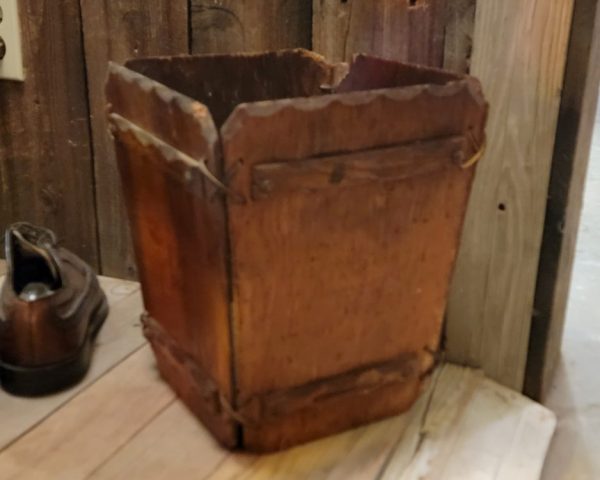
(295, 225)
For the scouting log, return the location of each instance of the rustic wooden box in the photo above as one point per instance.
(295, 235)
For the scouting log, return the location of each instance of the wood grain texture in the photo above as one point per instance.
(475, 429)
(120, 30)
(283, 363)
(178, 226)
(46, 174)
(385, 165)
(398, 30)
(92, 427)
(489, 315)
(321, 247)
(233, 26)
(567, 182)
(120, 336)
(459, 28)
(266, 247)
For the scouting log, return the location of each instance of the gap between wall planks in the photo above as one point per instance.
(118, 31)
(45, 159)
(232, 26)
(389, 28)
(571, 154)
(489, 314)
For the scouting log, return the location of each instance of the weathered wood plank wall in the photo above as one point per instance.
(45, 158)
(227, 26)
(490, 307)
(117, 31)
(49, 173)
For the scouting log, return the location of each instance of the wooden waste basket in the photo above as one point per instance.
(295, 224)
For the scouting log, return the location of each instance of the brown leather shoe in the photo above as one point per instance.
(51, 309)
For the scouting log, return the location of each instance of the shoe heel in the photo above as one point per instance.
(45, 379)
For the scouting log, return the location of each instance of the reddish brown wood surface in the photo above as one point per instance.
(337, 294)
(342, 256)
(177, 225)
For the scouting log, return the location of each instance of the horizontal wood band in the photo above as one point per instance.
(357, 168)
(270, 406)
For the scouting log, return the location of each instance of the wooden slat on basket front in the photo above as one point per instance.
(477, 429)
(119, 337)
(126, 426)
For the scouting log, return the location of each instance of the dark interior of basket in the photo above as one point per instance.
(221, 82)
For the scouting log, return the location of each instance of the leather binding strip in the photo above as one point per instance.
(270, 406)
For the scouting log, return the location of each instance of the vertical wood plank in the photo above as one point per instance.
(119, 30)
(405, 30)
(45, 163)
(569, 167)
(458, 45)
(491, 302)
(231, 26)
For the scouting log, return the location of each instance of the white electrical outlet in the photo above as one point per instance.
(11, 63)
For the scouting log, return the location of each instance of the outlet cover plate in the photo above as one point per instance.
(11, 66)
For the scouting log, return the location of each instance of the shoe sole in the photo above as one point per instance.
(45, 379)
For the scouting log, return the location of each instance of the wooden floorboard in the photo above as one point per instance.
(125, 423)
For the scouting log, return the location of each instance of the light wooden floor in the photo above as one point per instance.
(123, 422)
